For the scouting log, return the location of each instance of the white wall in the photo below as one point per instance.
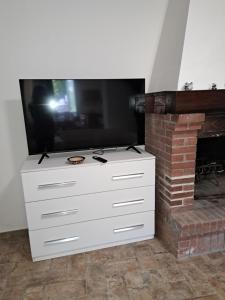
(64, 39)
(203, 60)
(166, 68)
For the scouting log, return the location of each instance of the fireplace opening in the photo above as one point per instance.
(210, 169)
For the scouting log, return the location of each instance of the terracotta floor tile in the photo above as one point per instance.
(96, 272)
(138, 271)
(6, 269)
(65, 290)
(112, 271)
(96, 279)
(30, 267)
(96, 286)
(77, 267)
(121, 267)
(140, 294)
(102, 255)
(159, 291)
(20, 257)
(118, 293)
(142, 249)
(13, 293)
(34, 293)
(218, 282)
(116, 281)
(123, 252)
(22, 253)
(8, 247)
(18, 235)
(134, 279)
(148, 262)
(172, 273)
(209, 297)
(203, 263)
(202, 289)
(97, 296)
(153, 278)
(157, 247)
(165, 259)
(31, 278)
(179, 290)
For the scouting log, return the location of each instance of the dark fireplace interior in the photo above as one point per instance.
(210, 170)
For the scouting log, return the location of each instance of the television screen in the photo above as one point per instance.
(65, 115)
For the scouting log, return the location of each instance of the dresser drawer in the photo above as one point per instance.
(56, 212)
(90, 179)
(51, 241)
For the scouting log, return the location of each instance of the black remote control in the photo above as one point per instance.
(99, 159)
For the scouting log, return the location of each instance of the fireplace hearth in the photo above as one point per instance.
(186, 132)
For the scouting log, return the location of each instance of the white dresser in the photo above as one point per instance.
(77, 208)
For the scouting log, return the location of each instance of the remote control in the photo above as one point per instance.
(99, 159)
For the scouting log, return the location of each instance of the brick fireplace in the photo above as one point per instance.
(175, 123)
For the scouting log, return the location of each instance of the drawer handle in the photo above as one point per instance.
(60, 213)
(128, 176)
(132, 202)
(61, 241)
(54, 185)
(124, 229)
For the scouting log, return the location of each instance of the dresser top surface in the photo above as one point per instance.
(59, 160)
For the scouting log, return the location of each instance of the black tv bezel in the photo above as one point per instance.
(113, 146)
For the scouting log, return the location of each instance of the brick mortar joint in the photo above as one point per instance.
(191, 118)
(189, 122)
(179, 192)
(194, 235)
(180, 177)
(188, 129)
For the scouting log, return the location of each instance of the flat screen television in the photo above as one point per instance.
(76, 114)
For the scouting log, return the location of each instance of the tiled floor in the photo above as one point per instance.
(139, 271)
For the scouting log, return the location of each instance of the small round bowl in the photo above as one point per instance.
(75, 160)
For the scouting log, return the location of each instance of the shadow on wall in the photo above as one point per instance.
(12, 203)
(12, 206)
(166, 68)
(16, 131)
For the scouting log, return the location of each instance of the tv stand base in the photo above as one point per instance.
(134, 148)
(42, 157)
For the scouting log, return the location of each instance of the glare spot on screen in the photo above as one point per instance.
(52, 104)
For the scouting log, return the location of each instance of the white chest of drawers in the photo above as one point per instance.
(77, 208)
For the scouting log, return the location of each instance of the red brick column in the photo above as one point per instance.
(172, 138)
